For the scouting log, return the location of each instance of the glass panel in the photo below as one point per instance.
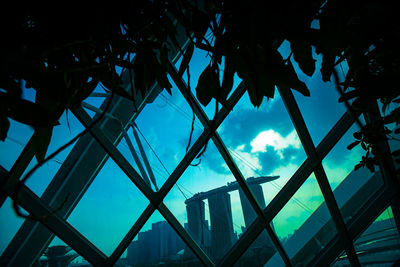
(207, 202)
(304, 225)
(379, 244)
(157, 244)
(340, 161)
(69, 128)
(108, 209)
(17, 137)
(356, 189)
(164, 129)
(260, 252)
(9, 223)
(319, 115)
(263, 142)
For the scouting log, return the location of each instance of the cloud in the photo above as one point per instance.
(275, 140)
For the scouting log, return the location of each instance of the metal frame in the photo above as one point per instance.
(33, 237)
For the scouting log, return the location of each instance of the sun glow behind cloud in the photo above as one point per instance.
(276, 140)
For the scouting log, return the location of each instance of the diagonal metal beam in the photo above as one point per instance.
(156, 198)
(18, 168)
(171, 219)
(290, 188)
(375, 205)
(35, 206)
(72, 179)
(114, 153)
(309, 148)
(194, 104)
(124, 244)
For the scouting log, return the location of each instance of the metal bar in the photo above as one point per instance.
(35, 206)
(130, 235)
(113, 152)
(319, 171)
(73, 178)
(144, 157)
(228, 159)
(290, 188)
(135, 156)
(193, 151)
(200, 142)
(18, 168)
(201, 255)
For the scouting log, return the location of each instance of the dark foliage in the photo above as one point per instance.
(64, 53)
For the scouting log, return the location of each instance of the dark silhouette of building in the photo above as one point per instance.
(159, 244)
(221, 229)
(222, 235)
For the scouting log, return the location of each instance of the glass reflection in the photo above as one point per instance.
(108, 209)
(304, 225)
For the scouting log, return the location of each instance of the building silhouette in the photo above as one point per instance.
(159, 244)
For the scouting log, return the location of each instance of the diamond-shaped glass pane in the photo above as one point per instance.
(340, 161)
(164, 129)
(319, 115)
(109, 208)
(263, 142)
(379, 244)
(304, 225)
(157, 243)
(207, 201)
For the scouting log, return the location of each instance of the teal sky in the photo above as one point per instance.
(262, 141)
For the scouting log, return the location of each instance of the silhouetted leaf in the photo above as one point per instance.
(291, 80)
(207, 86)
(328, 63)
(364, 146)
(370, 164)
(41, 140)
(352, 145)
(359, 165)
(164, 83)
(186, 58)
(27, 112)
(302, 53)
(357, 135)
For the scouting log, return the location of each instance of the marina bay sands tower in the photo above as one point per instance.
(220, 236)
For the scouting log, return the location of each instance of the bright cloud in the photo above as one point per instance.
(274, 139)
